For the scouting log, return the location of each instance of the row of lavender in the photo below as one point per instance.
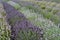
(38, 18)
(44, 16)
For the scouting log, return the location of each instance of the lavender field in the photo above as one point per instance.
(29, 20)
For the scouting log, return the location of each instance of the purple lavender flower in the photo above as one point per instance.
(21, 28)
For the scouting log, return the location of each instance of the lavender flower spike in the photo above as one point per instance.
(21, 28)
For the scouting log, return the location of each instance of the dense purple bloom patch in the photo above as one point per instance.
(21, 28)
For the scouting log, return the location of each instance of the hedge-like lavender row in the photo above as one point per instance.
(51, 30)
(21, 28)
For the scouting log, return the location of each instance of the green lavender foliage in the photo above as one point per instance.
(49, 10)
(28, 34)
(4, 31)
(4, 27)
